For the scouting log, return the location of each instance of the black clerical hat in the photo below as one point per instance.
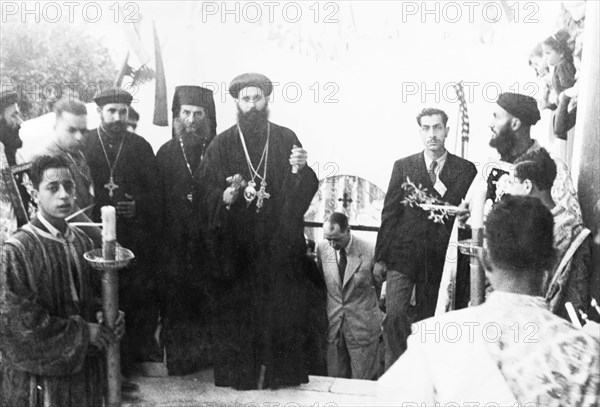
(196, 96)
(520, 106)
(113, 95)
(250, 79)
(7, 98)
(193, 95)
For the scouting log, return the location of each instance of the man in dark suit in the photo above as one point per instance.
(411, 248)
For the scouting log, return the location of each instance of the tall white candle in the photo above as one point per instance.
(477, 207)
(109, 223)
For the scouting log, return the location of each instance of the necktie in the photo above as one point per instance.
(431, 172)
(342, 261)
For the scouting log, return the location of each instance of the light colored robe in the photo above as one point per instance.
(509, 350)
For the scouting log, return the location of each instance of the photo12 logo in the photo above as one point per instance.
(437, 92)
(270, 11)
(469, 11)
(69, 11)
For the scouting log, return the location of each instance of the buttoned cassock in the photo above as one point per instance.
(352, 310)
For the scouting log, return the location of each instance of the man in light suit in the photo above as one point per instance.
(353, 345)
(411, 247)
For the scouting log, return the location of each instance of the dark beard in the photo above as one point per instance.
(254, 120)
(192, 138)
(114, 129)
(12, 142)
(504, 142)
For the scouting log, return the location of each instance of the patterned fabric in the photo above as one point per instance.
(544, 359)
(509, 351)
(45, 304)
(569, 280)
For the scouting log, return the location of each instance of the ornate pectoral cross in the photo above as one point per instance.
(261, 195)
(111, 186)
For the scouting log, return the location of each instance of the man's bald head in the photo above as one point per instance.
(336, 230)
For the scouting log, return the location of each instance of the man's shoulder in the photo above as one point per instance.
(409, 159)
(364, 246)
(22, 238)
(276, 128)
(137, 140)
(461, 162)
(166, 147)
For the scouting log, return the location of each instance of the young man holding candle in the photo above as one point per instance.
(50, 344)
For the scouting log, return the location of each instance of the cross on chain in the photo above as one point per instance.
(345, 200)
(111, 186)
(260, 197)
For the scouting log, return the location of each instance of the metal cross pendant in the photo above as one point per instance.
(261, 196)
(111, 186)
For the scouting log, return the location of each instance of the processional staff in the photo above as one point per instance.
(109, 260)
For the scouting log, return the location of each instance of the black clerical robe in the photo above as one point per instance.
(136, 175)
(48, 294)
(257, 260)
(185, 321)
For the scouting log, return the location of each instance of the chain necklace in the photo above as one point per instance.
(111, 186)
(81, 167)
(187, 163)
(250, 191)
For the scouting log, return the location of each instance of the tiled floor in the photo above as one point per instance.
(198, 390)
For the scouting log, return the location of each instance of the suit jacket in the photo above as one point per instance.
(408, 241)
(355, 299)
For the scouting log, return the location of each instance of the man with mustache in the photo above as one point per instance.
(10, 122)
(185, 322)
(254, 188)
(410, 246)
(125, 175)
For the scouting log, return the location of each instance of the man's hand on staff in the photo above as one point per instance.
(231, 193)
(463, 214)
(298, 157)
(119, 330)
(126, 208)
(101, 336)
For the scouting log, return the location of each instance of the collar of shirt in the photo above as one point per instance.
(55, 232)
(504, 299)
(440, 161)
(345, 247)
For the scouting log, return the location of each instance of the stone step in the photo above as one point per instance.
(199, 390)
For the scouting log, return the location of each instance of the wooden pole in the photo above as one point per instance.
(110, 305)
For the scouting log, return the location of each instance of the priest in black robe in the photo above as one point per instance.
(185, 311)
(125, 175)
(254, 189)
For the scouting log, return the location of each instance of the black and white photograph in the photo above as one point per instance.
(300, 203)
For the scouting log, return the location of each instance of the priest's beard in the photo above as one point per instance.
(9, 136)
(114, 129)
(253, 120)
(192, 135)
(504, 142)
